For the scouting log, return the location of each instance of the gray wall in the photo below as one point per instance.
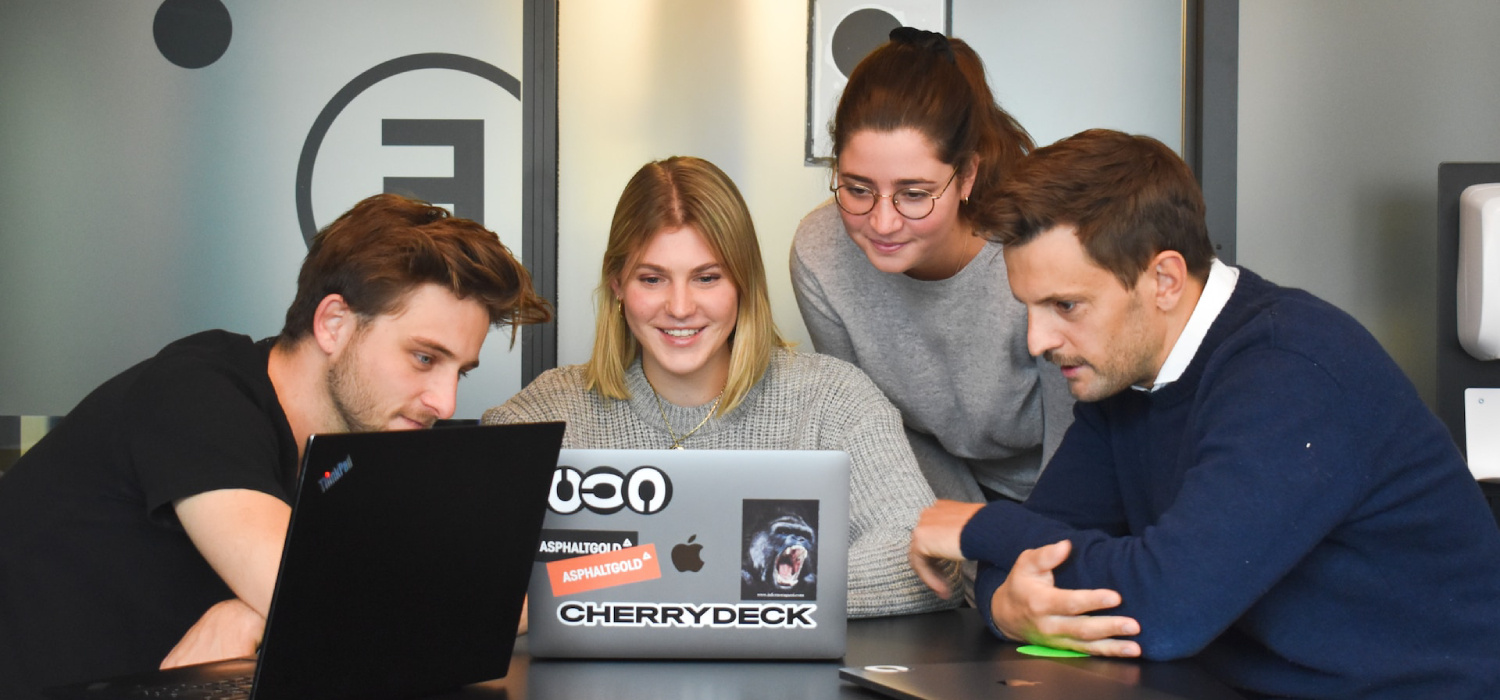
(1346, 109)
(143, 201)
(1067, 65)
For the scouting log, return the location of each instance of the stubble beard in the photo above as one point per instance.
(1126, 363)
(1108, 380)
(350, 396)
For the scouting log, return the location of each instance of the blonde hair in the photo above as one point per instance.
(666, 195)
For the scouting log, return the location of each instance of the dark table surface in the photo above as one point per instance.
(956, 635)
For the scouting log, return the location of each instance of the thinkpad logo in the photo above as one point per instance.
(332, 476)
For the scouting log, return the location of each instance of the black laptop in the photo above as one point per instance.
(403, 573)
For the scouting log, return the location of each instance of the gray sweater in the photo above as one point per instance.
(804, 402)
(950, 354)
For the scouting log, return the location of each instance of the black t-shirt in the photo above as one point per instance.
(97, 577)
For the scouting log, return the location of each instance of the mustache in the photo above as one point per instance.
(1064, 360)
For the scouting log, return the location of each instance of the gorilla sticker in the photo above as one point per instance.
(780, 553)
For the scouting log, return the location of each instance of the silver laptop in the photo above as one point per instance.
(677, 554)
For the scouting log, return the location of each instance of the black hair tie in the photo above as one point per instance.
(923, 39)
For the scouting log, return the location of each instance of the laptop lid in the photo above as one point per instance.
(573, 679)
(1032, 679)
(681, 554)
(404, 567)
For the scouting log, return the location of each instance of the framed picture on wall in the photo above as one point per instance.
(839, 34)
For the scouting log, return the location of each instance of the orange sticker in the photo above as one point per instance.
(602, 570)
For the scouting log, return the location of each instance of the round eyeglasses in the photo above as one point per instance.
(911, 202)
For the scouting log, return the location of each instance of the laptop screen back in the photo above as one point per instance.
(406, 561)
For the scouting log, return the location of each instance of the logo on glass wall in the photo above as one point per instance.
(464, 189)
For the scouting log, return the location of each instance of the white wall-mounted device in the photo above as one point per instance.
(1481, 417)
(1479, 270)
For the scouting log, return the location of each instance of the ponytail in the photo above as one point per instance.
(936, 86)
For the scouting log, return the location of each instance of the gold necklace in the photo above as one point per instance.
(677, 441)
(964, 257)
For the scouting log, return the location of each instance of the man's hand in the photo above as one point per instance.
(521, 628)
(1030, 607)
(229, 630)
(935, 541)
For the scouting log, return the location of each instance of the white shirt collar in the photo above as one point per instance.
(1216, 292)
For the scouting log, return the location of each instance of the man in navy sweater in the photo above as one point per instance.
(1250, 479)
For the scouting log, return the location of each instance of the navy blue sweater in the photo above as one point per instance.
(1288, 510)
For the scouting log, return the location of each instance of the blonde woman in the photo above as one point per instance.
(686, 356)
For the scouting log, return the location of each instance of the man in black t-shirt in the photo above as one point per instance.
(146, 529)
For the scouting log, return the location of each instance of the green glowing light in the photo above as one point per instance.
(1039, 650)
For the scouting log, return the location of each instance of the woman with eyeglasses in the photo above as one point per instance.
(686, 356)
(891, 276)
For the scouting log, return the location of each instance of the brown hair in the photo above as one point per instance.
(935, 85)
(377, 252)
(1129, 197)
(666, 195)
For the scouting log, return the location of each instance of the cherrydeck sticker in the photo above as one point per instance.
(575, 613)
(594, 571)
